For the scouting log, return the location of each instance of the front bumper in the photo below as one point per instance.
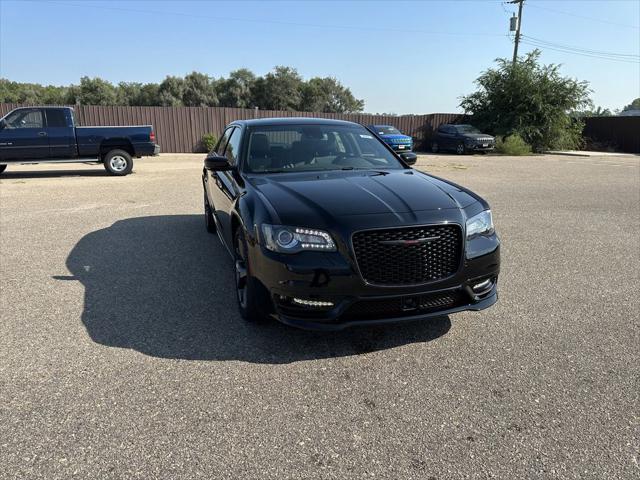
(350, 301)
(334, 321)
(479, 147)
(403, 147)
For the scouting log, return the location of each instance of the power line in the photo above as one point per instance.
(584, 54)
(276, 22)
(593, 19)
(624, 56)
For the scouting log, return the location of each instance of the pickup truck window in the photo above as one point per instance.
(25, 119)
(56, 118)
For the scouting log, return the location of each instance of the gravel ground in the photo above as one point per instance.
(122, 354)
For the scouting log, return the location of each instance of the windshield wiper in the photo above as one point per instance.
(370, 169)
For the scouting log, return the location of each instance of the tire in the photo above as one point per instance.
(434, 147)
(460, 149)
(209, 222)
(250, 294)
(118, 163)
(2, 168)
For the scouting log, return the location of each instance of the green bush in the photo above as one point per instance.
(209, 141)
(512, 145)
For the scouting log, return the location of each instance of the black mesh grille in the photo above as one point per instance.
(383, 262)
(399, 307)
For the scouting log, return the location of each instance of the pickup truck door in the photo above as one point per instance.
(23, 135)
(61, 133)
(223, 186)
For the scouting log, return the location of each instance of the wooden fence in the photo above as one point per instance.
(618, 133)
(180, 129)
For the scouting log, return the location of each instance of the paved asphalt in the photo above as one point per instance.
(122, 354)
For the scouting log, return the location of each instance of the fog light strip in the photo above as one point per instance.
(312, 303)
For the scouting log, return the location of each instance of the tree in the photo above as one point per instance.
(170, 92)
(128, 93)
(329, 96)
(279, 90)
(237, 90)
(530, 100)
(95, 91)
(634, 105)
(199, 91)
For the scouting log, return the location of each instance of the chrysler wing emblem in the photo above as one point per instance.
(408, 243)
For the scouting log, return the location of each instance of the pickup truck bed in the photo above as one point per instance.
(49, 134)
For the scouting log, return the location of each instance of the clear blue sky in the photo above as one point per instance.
(401, 57)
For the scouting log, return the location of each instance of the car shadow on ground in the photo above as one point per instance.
(164, 287)
(17, 174)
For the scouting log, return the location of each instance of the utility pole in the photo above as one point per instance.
(519, 24)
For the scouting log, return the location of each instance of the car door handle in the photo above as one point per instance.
(42, 134)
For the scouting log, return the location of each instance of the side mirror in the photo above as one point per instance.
(216, 163)
(409, 158)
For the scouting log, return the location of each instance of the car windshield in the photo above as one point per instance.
(297, 148)
(467, 129)
(387, 130)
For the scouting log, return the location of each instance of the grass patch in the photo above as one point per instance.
(512, 145)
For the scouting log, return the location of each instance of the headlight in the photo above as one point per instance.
(279, 238)
(480, 224)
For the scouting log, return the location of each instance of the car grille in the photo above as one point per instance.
(397, 307)
(383, 262)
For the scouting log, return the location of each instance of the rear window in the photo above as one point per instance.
(57, 117)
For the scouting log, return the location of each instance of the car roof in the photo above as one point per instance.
(292, 121)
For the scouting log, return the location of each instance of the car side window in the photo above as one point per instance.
(222, 143)
(233, 146)
(442, 129)
(56, 118)
(25, 119)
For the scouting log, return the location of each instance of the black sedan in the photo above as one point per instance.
(328, 227)
(461, 139)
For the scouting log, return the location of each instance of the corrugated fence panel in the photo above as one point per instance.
(180, 129)
(621, 133)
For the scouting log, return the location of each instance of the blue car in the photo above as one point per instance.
(393, 137)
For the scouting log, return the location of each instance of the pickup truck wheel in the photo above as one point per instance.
(252, 298)
(118, 162)
(208, 216)
(2, 168)
(460, 150)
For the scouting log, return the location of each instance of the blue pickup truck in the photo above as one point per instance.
(50, 135)
(393, 137)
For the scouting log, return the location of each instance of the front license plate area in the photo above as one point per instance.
(409, 303)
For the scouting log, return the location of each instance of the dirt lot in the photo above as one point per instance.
(122, 355)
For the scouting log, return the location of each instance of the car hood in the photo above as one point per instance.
(296, 196)
(395, 137)
(476, 136)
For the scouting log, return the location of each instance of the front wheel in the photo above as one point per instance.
(2, 168)
(251, 296)
(118, 163)
(460, 150)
